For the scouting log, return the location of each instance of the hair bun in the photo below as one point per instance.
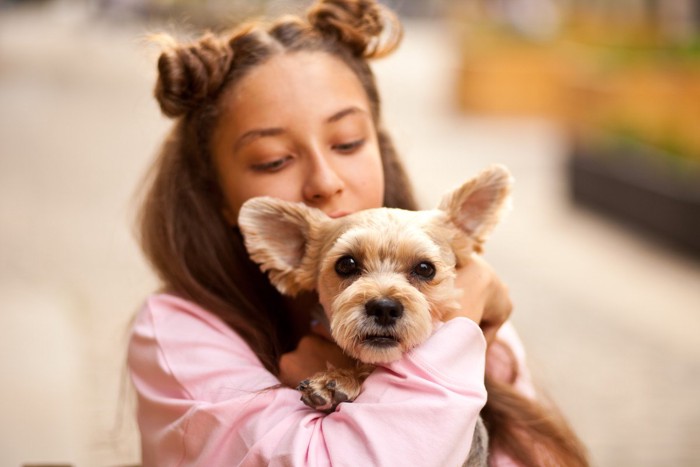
(190, 74)
(368, 28)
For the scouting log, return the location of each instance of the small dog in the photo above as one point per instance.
(383, 276)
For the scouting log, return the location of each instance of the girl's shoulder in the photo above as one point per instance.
(168, 312)
(178, 341)
(176, 325)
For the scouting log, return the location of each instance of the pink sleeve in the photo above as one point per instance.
(203, 399)
(506, 362)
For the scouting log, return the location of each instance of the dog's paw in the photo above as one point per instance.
(324, 391)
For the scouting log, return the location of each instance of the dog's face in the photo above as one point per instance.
(382, 275)
(384, 278)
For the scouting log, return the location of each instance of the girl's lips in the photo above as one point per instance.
(338, 214)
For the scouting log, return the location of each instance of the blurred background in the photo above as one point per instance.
(594, 106)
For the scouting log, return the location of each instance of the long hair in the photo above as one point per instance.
(184, 235)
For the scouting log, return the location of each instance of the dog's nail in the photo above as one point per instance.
(318, 400)
(339, 397)
(305, 399)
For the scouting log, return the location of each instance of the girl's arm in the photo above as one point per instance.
(506, 361)
(204, 399)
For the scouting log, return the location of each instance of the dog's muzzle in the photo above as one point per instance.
(385, 311)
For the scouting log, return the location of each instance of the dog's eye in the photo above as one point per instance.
(347, 266)
(425, 270)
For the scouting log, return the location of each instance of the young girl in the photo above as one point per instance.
(291, 110)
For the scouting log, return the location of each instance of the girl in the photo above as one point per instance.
(291, 110)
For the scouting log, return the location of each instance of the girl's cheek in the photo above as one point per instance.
(283, 185)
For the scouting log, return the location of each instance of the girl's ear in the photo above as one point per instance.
(277, 236)
(477, 206)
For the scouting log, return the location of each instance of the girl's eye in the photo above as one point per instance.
(425, 270)
(272, 166)
(349, 147)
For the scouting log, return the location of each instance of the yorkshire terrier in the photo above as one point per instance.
(383, 276)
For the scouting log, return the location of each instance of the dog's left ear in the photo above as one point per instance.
(477, 206)
(276, 234)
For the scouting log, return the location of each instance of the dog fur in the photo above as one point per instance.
(383, 276)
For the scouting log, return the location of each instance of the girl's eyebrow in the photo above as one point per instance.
(248, 136)
(345, 112)
(256, 133)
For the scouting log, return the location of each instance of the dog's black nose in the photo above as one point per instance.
(385, 311)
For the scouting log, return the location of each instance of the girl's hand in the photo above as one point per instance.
(485, 299)
(313, 354)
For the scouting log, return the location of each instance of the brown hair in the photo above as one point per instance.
(184, 235)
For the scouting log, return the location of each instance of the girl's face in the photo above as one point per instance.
(299, 128)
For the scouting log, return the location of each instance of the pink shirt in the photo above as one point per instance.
(203, 399)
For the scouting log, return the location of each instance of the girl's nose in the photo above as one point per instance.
(322, 180)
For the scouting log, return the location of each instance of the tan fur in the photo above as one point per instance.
(299, 246)
(478, 205)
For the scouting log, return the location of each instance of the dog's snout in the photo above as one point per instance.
(384, 310)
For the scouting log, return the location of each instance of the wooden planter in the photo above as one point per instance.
(640, 192)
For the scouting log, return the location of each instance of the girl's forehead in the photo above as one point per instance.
(287, 83)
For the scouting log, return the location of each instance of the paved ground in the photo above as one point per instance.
(610, 319)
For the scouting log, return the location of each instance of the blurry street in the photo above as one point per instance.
(610, 319)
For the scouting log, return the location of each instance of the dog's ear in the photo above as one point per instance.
(277, 235)
(477, 206)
